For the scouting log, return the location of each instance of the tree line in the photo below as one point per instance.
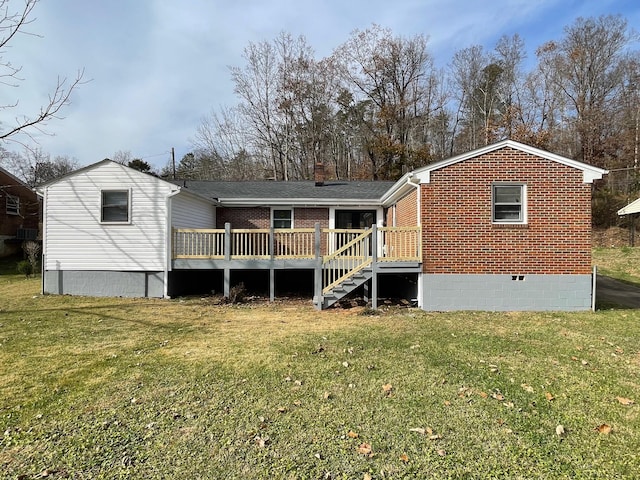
(378, 106)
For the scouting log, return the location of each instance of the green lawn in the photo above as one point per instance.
(118, 388)
(621, 263)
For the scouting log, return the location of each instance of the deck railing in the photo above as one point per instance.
(394, 244)
(198, 243)
(400, 244)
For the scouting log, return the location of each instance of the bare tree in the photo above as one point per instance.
(14, 21)
(36, 167)
(587, 67)
(391, 80)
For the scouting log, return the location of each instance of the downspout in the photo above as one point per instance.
(44, 239)
(415, 182)
(168, 242)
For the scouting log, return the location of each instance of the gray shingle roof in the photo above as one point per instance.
(301, 190)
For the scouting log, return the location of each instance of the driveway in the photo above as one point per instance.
(615, 292)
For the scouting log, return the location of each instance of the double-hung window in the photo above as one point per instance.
(115, 206)
(282, 218)
(13, 204)
(509, 203)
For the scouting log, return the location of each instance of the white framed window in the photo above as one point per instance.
(115, 206)
(509, 203)
(12, 204)
(282, 218)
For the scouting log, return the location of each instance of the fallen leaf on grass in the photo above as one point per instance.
(560, 431)
(327, 395)
(527, 388)
(604, 429)
(497, 396)
(282, 409)
(549, 396)
(352, 434)
(419, 430)
(483, 394)
(387, 388)
(447, 403)
(441, 452)
(625, 401)
(404, 458)
(365, 449)
(262, 441)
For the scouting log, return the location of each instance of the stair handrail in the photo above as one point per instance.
(352, 270)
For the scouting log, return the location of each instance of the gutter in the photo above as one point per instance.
(401, 188)
(297, 202)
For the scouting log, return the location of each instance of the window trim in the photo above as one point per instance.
(522, 220)
(273, 219)
(12, 204)
(102, 206)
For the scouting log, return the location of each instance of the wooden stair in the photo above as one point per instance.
(343, 289)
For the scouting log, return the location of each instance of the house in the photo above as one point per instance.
(631, 211)
(19, 213)
(504, 227)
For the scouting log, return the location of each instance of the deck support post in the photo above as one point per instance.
(272, 284)
(374, 266)
(227, 257)
(317, 280)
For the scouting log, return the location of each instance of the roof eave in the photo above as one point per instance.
(297, 202)
(590, 173)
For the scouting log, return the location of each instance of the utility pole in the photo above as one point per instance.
(173, 161)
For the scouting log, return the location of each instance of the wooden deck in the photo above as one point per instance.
(342, 259)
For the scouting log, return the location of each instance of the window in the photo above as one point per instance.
(509, 203)
(13, 205)
(283, 218)
(115, 206)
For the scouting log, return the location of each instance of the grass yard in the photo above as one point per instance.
(621, 263)
(121, 388)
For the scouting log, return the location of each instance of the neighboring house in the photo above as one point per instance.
(19, 213)
(505, 227)
(632, 210)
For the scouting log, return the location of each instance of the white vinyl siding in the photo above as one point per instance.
(77, 240)
(191, 212)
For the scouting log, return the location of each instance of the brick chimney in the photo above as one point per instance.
(319, 174)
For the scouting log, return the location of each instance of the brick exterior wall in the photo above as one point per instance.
(29, 206)
(308, 217)
(458, 234)
(260, 217)
(244, 217)
(407, 210)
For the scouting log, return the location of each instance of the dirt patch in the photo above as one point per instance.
(611, 237)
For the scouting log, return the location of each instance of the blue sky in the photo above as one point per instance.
(157, 67)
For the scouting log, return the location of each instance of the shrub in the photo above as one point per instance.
(32, 251)
(237, 294)
(25, 267)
